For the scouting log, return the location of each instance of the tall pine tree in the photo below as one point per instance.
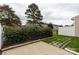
(34, 14)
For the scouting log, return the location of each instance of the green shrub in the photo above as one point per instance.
(25, 33)
(50, 25)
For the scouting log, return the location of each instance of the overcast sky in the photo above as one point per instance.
(56, 13)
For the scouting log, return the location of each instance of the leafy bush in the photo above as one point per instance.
(25, 33)
(50, 25)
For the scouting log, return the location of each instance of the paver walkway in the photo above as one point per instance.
(38, 48)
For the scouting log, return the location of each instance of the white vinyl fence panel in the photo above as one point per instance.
(68, 31)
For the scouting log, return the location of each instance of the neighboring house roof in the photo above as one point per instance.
(57, 25)
(66, 25)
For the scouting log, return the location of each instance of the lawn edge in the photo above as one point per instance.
(19, 45)
(71, 51)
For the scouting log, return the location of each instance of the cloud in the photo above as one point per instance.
(58, 13)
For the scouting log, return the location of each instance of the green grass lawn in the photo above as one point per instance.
(74, 44)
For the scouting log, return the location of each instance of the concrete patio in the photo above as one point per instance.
(38, 48)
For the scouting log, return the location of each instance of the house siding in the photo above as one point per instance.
(77, 26)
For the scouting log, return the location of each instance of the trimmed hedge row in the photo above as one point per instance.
(25, 33)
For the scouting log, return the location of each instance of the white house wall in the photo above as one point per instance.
(68, 31)
(0, 36)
